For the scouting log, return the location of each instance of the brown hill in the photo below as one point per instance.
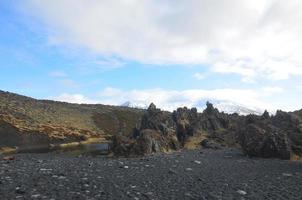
(26, 121)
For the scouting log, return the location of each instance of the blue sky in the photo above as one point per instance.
(143, 51)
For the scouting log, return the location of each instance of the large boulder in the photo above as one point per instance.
(265, 142)
(147, 142)
(121, 145)
(266, 136)
(291, 124)
(151, 141)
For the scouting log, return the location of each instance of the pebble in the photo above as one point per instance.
(197, 162)
(34, 196)
(45, 169)
(241, 192)
(189, 169)
(7, 158)
(19, 190)
(287, 174)
(171, 171)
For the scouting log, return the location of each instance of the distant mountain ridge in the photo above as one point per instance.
(139, 105)
(228, 107)
(231, 107)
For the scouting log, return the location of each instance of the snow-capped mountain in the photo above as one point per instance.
(230, 107)
(139, 105)
(223, 106)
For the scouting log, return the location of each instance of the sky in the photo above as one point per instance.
(170, 52)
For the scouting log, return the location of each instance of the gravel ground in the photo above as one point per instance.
(198, 174)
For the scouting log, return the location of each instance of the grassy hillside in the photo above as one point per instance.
(59, 120)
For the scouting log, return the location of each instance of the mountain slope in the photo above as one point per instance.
(61, 121)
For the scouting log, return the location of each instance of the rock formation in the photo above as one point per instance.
(163, 131)
(278, 136)
(156, 133)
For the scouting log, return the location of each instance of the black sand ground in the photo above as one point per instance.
(199, 174)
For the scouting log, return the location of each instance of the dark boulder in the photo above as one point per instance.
(207, 144)
(148, 142)
(121, 145)
(261, 139)
(151, 141)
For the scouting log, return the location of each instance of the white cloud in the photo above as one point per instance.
(73, 98)
(271, 90)
(252, 38)
(199, 76)
(68, 83)
(58, 74)
(172, 99)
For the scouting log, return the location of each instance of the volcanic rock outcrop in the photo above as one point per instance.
(156, 133)
(161, 131)
(278, 136)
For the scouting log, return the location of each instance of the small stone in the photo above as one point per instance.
(189, 169)
(45, 169)
(241, 192)
(19, 190)
(287, 174)
(34, 196)
(8, 158)
(197, 162)
(227, 156)
(171, 171)
(188, 194)
(61, 177)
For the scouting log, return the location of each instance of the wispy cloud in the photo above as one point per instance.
(68, 83)
(199, 76)
(58, 74)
